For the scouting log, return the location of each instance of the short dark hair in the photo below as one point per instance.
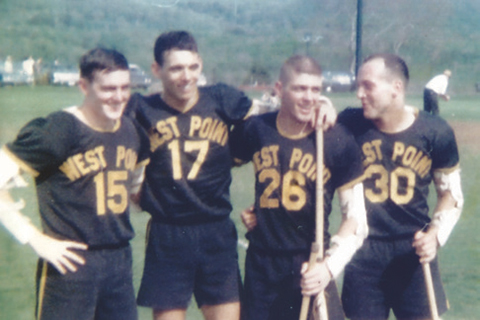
(299, 64)
(100, 59)
(395, 65)
(180, 40)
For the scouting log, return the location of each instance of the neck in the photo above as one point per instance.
(396, 121)
(87, 116)
(291, 126)
(178, 104)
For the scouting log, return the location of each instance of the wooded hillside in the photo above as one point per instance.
(241, 39)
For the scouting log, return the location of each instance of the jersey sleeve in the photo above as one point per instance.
(133, 105)
(144, 151)
(352, 118)
(241, 142)
(445, 151)
(347, 168)
(41, 144)
(234, 104)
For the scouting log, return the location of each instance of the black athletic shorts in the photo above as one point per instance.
(386, 275)
(100, 289)
(272, 287)
(182, 260)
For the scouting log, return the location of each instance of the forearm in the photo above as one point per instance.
(444, 96)
(13, 220)
(10, 216)
(353, 230)
(449, 204)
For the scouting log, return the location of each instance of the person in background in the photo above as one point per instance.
(8, 66)
(436, 87)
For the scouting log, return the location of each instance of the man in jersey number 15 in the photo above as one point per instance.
(86, 161)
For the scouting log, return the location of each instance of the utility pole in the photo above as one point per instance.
(358, 49)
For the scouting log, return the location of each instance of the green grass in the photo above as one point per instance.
(459, 259)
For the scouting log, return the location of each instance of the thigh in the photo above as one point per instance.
(258, 294)
(117, 296)
(170, 268)
(430, 101)
(65, 297)
(334, 305)
(218, 278)
(408, 293)
(362, 295)
(272, 286)
(225, 311)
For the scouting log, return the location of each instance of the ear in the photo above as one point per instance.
(83, 85)
(200, 61)
(278, 88)
(399, 87)
(156, 69)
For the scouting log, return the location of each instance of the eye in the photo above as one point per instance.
(194, 67)
(176, 69)
(108, 89)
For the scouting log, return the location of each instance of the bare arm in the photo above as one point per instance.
(325, 115)
(249, 218)
(137, 181)
(445, 96)
(351, 233)
(446, 214)
(56, 252)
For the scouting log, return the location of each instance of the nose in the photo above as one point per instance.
(308, 95)
(186, 74)
(121, 94)
(360, 92)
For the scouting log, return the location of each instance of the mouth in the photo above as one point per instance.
(117, 107)
(306, 110)
(186, 88)
(365, 105)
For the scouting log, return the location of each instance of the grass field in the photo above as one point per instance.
(459, 259)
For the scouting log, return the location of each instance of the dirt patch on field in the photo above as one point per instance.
(467, 134)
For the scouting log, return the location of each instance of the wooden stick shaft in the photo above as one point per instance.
(319, 193)
(319, 225)
(306, 299)
(430, 291)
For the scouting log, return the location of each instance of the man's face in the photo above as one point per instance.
(300, 94)
(375, 90)
(179, 75)
(107, 94)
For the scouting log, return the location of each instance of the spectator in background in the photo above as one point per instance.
(37, 69)
(8, 67)
(28, 69)
(28, 66)
(270, 98)
(436, 87)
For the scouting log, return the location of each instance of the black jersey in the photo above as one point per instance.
(399, 169)
(285, 175)
(83, 176)
(188, 178)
